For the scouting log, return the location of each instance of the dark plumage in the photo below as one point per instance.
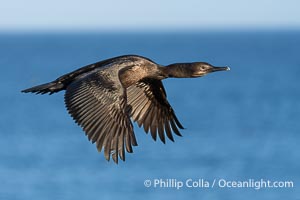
(102, 97)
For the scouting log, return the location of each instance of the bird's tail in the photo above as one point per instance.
(50, 88)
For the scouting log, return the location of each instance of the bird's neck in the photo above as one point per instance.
(177, 70)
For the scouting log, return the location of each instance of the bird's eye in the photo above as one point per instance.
(202, 67)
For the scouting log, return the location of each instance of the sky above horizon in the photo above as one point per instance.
(154, 14)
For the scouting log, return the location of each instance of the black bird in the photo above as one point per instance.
(102, 97)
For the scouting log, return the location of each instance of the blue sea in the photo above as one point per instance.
(241, 125)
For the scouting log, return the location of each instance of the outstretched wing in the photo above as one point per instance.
(97, 102)
(150, 108)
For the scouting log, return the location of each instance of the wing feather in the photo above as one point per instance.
(151, 109)
(98, 104)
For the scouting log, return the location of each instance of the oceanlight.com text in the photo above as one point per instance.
(217, 183)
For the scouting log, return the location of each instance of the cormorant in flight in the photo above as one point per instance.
(102, 97)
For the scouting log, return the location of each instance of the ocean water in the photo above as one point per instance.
(241, 125)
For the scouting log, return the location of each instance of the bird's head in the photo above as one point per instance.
(190, 70)
(198, 69)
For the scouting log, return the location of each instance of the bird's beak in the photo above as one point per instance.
(215, 69)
